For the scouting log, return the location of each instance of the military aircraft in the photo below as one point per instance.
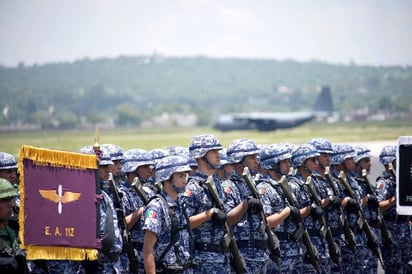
(268, 121)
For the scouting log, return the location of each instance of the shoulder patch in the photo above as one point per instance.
(262, 191)
(379, 185)
(151, 214)
(187, 193)
(228, 190)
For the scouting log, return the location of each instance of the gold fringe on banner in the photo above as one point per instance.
(43, 156)
(47, 157)
(59, 253)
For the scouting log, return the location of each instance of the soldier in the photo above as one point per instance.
(166, 228)
(243, 208)
(370, 211)
(276, 161)
(8, 171)
(305, 161)
(130, 211)
(134, 158)
(109, 232)
(206, 219)
(343, 159)
(12, 259)
(226, 169)
(333, 201)
(396, 224)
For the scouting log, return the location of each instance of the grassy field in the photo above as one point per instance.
(162, 138)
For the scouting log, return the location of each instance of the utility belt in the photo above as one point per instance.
(217, 248)
(173, 268)
(396, 218)
(285, 236)
(259, 244)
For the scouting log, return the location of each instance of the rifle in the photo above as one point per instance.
(138, 188)
(237, 260)
(311, 250)
(273, 241)
(349, 236)
(386, 234)
(127, 239)
(372, 240)
(325, 231)
(391, 170)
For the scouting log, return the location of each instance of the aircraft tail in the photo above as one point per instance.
(324, 102)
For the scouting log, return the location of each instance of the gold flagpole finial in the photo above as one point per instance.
(96, 146)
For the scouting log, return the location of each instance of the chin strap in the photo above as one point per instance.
(207, 162)
(175, 188)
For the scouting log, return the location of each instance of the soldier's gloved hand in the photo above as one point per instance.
(372, 201)
(254, 204)
(295, 214)
(9, 263)
(335, 202)
(219, 217)
(352, 205)
(316, 211)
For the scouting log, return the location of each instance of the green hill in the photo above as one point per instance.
(130, 90)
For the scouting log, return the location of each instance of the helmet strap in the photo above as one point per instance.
(175, 188)
(208, 163)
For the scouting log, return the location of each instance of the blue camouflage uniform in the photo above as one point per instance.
(209, 252)
(252, 244)
(297, 184)
(333, 210)
(158, 221)
(350, 262)
(134, 158)
(385, 188)
(274, 201)
(370, 211)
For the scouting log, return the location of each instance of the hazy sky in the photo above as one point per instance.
(373, 32)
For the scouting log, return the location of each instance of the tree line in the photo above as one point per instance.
(129, 90)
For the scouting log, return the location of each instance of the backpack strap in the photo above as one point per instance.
(174, 232)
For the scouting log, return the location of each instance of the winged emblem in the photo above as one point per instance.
(58, 197)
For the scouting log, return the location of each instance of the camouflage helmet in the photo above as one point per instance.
(341, 152)
(157, 154)
(201, 144)
(116, 152)
(388, 154)
(134, 158)
(362, 152)
(224, 160)
(240, 148)
(103, 155)
(273, 154)
(7, 161)
(289, 146)
(322, 145)
(6, 189)
(178, 150)
(169, 165)
(303, 152)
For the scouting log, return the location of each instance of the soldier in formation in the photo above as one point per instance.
(179, 228)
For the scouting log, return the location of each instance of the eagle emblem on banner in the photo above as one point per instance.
(58, 197)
